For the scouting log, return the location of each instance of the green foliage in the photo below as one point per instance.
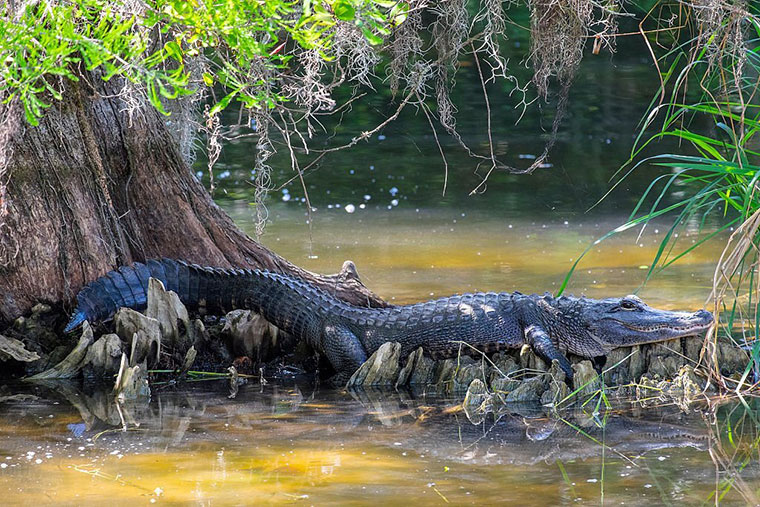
(50, 41)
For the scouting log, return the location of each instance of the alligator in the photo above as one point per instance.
(347, 335)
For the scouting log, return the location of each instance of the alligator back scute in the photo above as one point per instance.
(213, 288)
(225, 292)
(142, 273)
(172, 275)
(156, 270)
(183, 278)
(123, 290)
(201, 294)
(135, 285)
(194, 283)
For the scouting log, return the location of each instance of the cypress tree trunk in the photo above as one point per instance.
(86, 191)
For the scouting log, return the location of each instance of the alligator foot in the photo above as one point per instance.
(542, 344)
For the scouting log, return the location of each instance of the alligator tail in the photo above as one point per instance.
(196, 286)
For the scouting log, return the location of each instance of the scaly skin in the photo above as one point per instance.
(347, 335)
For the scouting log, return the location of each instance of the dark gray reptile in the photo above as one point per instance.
(348, 334)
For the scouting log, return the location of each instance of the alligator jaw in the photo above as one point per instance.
(676, 331)
(651, 326)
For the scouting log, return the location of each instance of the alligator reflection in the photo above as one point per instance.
(283, 439)
(522, 433)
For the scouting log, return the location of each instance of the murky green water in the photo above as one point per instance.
(381, 205)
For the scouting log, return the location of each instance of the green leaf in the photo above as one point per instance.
(208, 79)
(344, 10)
(173, 50)
(222, 103)
(371, 37)
(399, 13)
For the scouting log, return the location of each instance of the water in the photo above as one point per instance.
(382, 206)
(290, 442)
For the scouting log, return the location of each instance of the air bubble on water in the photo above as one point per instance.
(393, 191)
(286, 197)
(350, 208)
(381, 137)
(367, 197)
(362, 206)
(394, 202)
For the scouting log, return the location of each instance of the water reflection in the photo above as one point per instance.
(293, 441)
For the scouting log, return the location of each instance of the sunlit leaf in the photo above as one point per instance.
(344, 10)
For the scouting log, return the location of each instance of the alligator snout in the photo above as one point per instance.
(704, 316)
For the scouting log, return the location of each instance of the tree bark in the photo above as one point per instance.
(91, 188)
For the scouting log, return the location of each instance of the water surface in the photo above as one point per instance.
(290, 443)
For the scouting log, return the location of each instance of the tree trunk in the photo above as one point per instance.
(86, 191)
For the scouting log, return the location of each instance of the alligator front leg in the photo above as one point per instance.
(344, 351)
(544, 347)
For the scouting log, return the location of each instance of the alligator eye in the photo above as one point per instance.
(628, 305)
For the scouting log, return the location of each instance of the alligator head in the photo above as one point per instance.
(591, 327)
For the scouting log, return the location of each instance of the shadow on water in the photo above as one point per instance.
(293, 441)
